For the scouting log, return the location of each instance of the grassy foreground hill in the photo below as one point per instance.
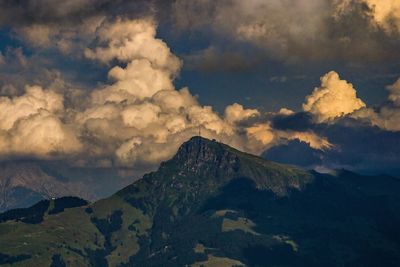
(211, 205)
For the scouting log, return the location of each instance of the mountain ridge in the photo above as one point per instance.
(201, 154)
(212, 205)
(25, 182)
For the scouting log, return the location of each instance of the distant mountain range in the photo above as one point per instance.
(25, 182)
(211, 205)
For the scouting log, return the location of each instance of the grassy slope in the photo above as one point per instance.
(124, 240)
(178, 189)
(72, 232)
(57, 234)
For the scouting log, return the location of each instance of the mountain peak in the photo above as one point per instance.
(199, 141)
(211, 160)
(198, 152)
(199, 148)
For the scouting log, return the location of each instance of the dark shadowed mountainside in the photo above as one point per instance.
(211, 205)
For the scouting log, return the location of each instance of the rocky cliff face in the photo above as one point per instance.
(201, 157)
(199, 154)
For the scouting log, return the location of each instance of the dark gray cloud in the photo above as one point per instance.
(295, 152)
(301, 121)
(356, 146)
(293, 31)
(217, 59)
(21, 12)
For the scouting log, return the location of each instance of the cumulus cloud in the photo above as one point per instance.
(30, 126)
(42, 135)
(386, 13)
(263, 135)
(132, 39)
(337, 98)
(334, 98)
(150, 67)
(137, 118)
(236, 113)
(34, 100)
(141, 100)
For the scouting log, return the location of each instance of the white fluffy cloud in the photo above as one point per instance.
(336, 98)
(30, 125)
(137, 119)
(333, 99)
(236, 113)
(150, 67)
(151, 116)
(43, 135)
(127, 40)
(32, 102)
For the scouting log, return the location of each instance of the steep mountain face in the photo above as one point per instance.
(23, 183)
(211, 205)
